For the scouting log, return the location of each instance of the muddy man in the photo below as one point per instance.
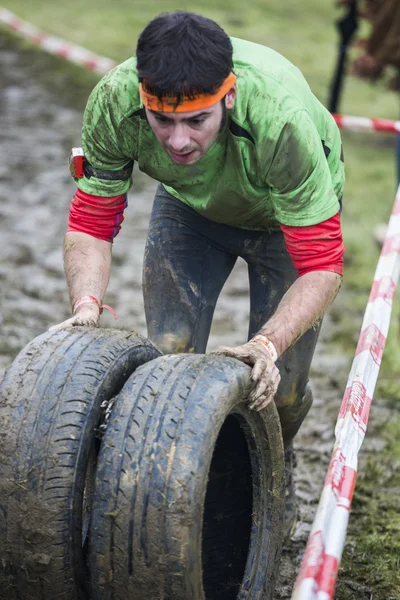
(250, 164)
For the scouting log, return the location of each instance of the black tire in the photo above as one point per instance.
(189, 493)
(50, 408)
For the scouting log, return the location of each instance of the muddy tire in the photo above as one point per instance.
(188, 499)
(50, 407)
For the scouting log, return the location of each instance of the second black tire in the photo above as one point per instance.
(189, 493)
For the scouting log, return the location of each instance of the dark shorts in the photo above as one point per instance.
(187, 261)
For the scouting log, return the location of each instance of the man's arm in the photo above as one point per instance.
(301, 307)
(94, 221)
(97, 208)
(317, 255)
(305, 199)
(87, 262)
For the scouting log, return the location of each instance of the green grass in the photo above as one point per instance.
(304, 33)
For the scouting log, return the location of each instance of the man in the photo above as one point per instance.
(380, 50)
(250, 165)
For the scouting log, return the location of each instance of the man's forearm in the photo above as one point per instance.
(87, 262)
(301, 307)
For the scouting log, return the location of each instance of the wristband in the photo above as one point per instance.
(261, 339)
(92, 300)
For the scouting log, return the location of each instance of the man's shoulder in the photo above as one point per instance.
(270, 91)
(264, 62)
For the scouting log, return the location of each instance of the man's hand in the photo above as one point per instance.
(88, 315)
(264, 374)
(367, 67)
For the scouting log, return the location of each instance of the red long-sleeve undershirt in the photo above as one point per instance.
(316, 247)
(98, 216)
(312, 248)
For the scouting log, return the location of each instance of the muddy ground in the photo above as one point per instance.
(39, 124)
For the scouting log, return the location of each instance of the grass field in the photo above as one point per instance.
(304, 32)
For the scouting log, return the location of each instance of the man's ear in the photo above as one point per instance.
(230, 97)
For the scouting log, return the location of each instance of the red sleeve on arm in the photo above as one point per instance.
(316, 247)
(98, 216)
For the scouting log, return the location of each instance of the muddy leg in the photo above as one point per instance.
(294, 396)
(182, 277)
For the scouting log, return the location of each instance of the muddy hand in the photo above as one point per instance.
(88, 315)
(265, 374)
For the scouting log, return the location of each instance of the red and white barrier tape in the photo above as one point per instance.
(367, 124)
(56, 45)
(318, 572)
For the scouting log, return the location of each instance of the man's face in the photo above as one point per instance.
(187, 136)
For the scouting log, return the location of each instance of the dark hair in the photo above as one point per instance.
(183, 54)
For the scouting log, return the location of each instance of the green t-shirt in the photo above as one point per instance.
(278, 160)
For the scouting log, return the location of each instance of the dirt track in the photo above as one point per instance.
(38, 130)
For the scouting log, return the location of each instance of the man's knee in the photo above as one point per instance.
(293, 408)
(173, 343)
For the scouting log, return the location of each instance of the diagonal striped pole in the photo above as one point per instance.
(318, 572)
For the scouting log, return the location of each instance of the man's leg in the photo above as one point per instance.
(184, 272)
(271, 273)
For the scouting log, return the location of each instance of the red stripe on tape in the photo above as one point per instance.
(335, 471)
(90, 64)
(384, 125)
(391, 244)
(347, 484)
(15, 24)
(327, 577)
(313, 557)
(383, 288)
(63, 52)
(340, 478)
(338, 119)
(39, 37)
(373, 340)
(357, 403)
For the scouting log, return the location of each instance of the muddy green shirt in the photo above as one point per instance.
(278, 160)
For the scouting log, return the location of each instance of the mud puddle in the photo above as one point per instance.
(38, 128)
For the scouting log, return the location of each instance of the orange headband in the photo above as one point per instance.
(169, 104)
